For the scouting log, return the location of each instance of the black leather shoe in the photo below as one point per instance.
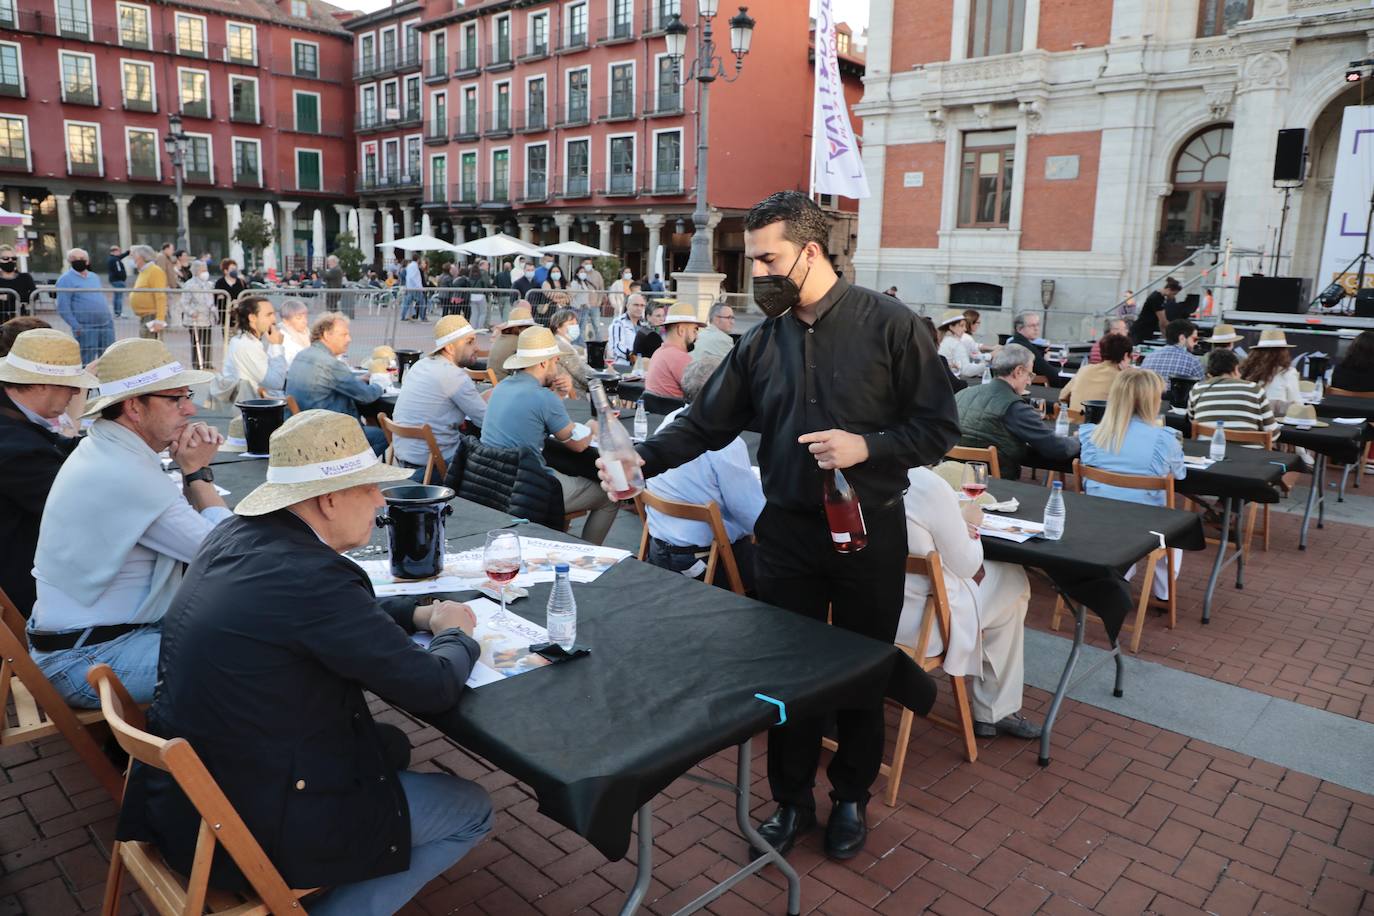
(1016, 725)
(782, 829)
(847, 830)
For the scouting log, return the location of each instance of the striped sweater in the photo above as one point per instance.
(1242, 404)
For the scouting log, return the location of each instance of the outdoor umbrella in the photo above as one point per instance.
(317, 237)
(498, 246)
(575, 250)
(235, 246)
(421, 243)
(388, 237)
(8, 218)
(425, 227)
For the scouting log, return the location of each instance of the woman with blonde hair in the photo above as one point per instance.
(1130, 440)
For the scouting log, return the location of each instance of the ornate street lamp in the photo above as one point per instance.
(176, 149)
(706, 68)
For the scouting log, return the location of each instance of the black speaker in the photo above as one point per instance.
(1270, 294)
(1288, 154)
(1364, 303)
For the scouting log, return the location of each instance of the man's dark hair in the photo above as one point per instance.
(1222, 362)
(1179, 327)
(113, 412)
(16, 326)
(1171, 283)
(803, 221)
(245, 310)
(1114, 347)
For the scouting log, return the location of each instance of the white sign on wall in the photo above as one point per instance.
(913, 179)
(1061, 168)
(1350, 192)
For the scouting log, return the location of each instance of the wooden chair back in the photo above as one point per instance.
(394, 430)
(479, 375)
(986, 455)
(1347, 393)
(492, 376)
(1085, 472)
(292, 408)
(1261, 437)
(220, 824)
(720, 551)
(39, 710)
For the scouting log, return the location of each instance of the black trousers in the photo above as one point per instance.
(796, 568)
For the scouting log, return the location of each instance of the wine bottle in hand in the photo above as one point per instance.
(618, 453)
(845, 515)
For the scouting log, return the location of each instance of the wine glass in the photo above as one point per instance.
(501, 559)
(975, 479)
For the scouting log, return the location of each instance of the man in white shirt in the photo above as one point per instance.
(116, 534)
(439, 392)
(724, 477)
(621, 343)
(714, 341)
(256, 356)
(415, 291)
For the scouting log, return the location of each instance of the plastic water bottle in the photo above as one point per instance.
(1054, 513)
(1061, 422)
(987, 374)
(562, 610)
(641, 421)
(1217, 452)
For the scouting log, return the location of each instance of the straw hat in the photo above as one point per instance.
(235, 440)
(1224, 333)
(314, 453)
(378, 365)
(949, 317)
(139, 366)
(520, 317)
(1302, 415)
(46, 356)
(1271, 338)
(683, 313)
(383, 352)
(534, 346)
(449, 329)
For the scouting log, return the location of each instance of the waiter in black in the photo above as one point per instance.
(837, 377)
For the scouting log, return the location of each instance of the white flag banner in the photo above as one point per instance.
(836, 166)
(1350, 193)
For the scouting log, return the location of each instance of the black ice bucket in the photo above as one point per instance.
(404, 360)
(414, 521)
(261, 417)
(596, 353)
(1094, 411)
(1179, 387)
(1314, 367)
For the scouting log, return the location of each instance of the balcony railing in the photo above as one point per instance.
(240, 116)
(387, 61)
(468, 63)
(617, 184)
(574, 113)
(436, 130)
(436, 194)
(534, 50)
(15, 164)
(436, 69)
(499, 56)
(662, 104)
(392, 117)
(389, 181)
(570, 41)
(464, 192)
(92, 169)
(249, 58)
(39, 22)
(495, 192)
(204, 176)
(246, 179)
(143, 170)
(612, 30)
(665, 183)
(324, 184)
(499, 123)
(87, 96)
(532, 191)
(469, 128)
(658, 15)
(574, 186)
(200, 109)
(532, 121)
(14, 88)
(616, 107)
(205, 50)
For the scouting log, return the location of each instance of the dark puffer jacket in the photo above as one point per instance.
(509, 480)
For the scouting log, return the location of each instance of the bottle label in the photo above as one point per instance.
(616, 471)
(840, 537)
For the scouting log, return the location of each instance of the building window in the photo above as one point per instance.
(539, 34)
(500, 174)
(414, 111)
(1217, 17)
(143, 155)
(243, 99)
(367, 54)
(438, 126)
(73, 18)
(307, 112)
(470, 110)
(995, 27)
(577, 25)
(841, 43)
(1192, 213)
(467, 178)
(438, 179)
(391, 103)
(14, 142)
(78, 78)
(198, 166)
(370, 166)
(469, 56)
(985, 179)
(664, 10)
(134, 30)
(309, 170)
(413, 159)
(138, 86)
(369, 112)
(190, 35)
(622, 18)
(195, 93)
(621, 178)
(411, 34)
(536, 172)
(247, 163)
(669, 93)
(300, 9)
(622, 90)
(8, 19)
(501, 51)
(501, 117)
(578, 88)
(578, 165)
(438, 54)
(11, 72)
(305, 59)
(242, 43)
(388, 48)
(534, 104)
(668, 162)
(83, 149)
(391, 166)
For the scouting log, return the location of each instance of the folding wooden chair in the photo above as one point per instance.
(492, 376)
(292, 408)
(39, 710)
(220, 824)
(1264, 439)
(720, 550)
(393, 430)
(479, 375)
(1084, 472)
(986, 455)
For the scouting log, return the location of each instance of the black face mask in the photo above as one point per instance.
(776, 294)
(8, 264)
(79, 265)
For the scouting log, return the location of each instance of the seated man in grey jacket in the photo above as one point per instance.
(996, 414)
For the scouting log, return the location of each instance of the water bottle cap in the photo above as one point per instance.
(1058, 485)
(560, 568)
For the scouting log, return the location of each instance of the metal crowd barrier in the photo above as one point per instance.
(178, 336)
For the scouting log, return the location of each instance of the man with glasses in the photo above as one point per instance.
(996, 414)
(714, 341)
(116, 536)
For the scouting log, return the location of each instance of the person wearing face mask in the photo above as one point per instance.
(16, 288)
(544, 302)
(198, 313)
(84, 307)
(582, 292)
(567, 331)
(680, 329)
(621, 288)
(836, 377)
(231, 283)
(541, 273)
(524, 283)
(149, 299)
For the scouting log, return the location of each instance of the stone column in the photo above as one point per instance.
(604, 239)
(126, 232)
(184, 213)
(489, 226)
(564, 221)
(654, 223)
(526, 231)
(407, 220)
(287, 231)
(343, 211)
(64, 223)
(365, 234)
(233, 216)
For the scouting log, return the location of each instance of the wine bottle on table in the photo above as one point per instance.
(845, 515)
(617, 451)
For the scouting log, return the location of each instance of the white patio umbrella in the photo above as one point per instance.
(498, 246)
(658, 262)
(575, 250)
(317, 238)
(421, 243)
(388, 236)
(235, 246)
(269, 254)
(8, 218)
(425, 227)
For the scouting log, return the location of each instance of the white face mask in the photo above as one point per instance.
(554, 275)
(574, 332)
(581, 275)
(627, 276)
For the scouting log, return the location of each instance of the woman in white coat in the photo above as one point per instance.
(951, 329)
(987, 619)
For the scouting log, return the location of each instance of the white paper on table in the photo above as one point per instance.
(1349, 421)
(1198, 461)
(1012, 529)
(391, 391)
(505, 639)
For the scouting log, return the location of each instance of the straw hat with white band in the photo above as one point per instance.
(1302, 415)
(46, 356)
(949, 317)
(520, 317)
(536, 345)
(449, 329)
(314, 453)
(383, 352)
(683, 313)
(138, 366)
(1224, 333)
(1271, 338)
(234, 440)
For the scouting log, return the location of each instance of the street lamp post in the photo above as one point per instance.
(176, 149)
(706, 68)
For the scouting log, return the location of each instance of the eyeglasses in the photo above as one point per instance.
(176, 399)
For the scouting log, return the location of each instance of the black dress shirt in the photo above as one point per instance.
(864, 366)
(1042, 366)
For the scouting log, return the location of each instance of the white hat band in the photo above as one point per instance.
(450, 338)
(119, 386)
(233, 442)
(323, 470)
(29, 365)
(541, 353)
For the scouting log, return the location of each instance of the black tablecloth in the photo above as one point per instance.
(1334, 406)
(670, 681)
(1252, 474)
(1102, 538)
(1339, 442)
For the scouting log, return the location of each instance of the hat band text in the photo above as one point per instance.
(28, 365)
(322, 470)
(121, 385)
